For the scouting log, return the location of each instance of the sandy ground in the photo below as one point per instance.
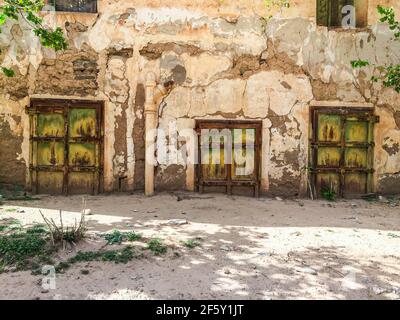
(251, 249)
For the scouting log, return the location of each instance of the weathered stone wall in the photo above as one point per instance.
(227, 62)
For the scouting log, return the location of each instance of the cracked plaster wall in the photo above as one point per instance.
(227, 62)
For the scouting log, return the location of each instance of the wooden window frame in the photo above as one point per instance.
(229, 183)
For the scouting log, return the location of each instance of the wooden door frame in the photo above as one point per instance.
(229, 183)
(37, 106)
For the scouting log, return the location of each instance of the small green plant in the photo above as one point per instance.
(133, 236)
(29, 11)
(280, 4)
(328, 194)
(392, 235)
(37, 229)
(388, 74)
(191, 244)
(157, 247)
(117, 256)
(117, 237)
(23, 250)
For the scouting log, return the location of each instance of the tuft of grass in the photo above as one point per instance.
(23, 250)
(37, 229)
(117, 256)
(157, 247)
(133, 236)
(21, 198)
(59, 234)
(328, 194)
(117, 237)
(191, 244)
(393, 235)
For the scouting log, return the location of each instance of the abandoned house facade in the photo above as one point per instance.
(125, 106)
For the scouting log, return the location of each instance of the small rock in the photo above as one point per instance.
(307, 270)
(227, 271)
(87, 212)
(264, 55)
(225, 248)
(382, 199)
(378, 291)
(177, 222)
(264, 254)
(85, 271)
(20, 211)
(278, 199)
(44, 291)
(301, 204)
(354, 205)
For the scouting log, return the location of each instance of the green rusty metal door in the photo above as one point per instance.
(342, 150)
(229, 154)
(66, 146)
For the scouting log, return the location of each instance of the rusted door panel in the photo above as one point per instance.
(82, 154)
(329, 181)
(216, 167)
(244, 159)
(50, 153)
(356, 158)
(355, 184)
(81, 182)
(50, 182)
(243, 167)
(82, 123)
(329, 157)
(342, 150)
(66, 146)
(356, 131)
(329, 128)
(213, 160)
(50, 125)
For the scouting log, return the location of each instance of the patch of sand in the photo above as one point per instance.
(251, 249)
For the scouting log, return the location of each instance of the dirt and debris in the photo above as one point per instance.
(276, 250)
